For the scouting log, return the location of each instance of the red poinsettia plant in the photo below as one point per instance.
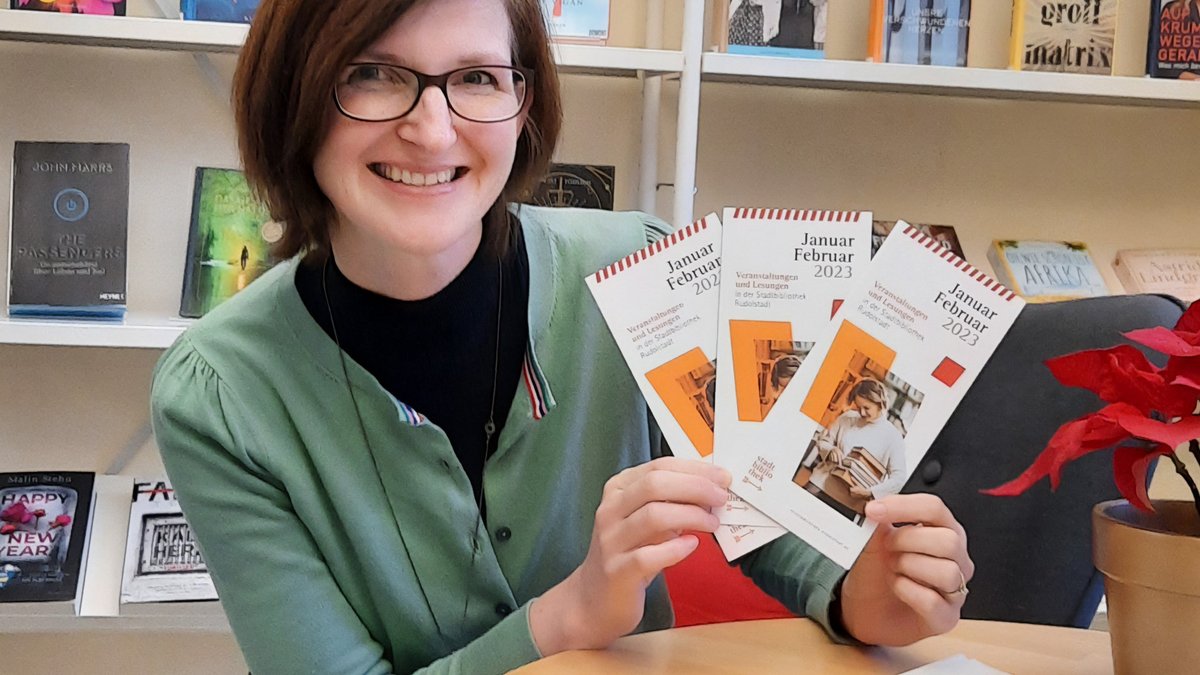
(1151, 412)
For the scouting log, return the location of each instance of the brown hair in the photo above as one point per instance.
(872, 390)
(282, 101)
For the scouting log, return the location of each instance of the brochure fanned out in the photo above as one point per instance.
(660, 303)
(785, 274)
(872, 394)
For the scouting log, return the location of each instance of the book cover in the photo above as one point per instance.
(784, 274)
(790, 28)
(228, 11)
(1170, 271)
(43, 529)
(586, 186)
(1047, 271)
(229, 241)
(927, 32)
(103, 7)
(1175, 39)
(70, 212)
(872, 395)
(1064, 37)
(660, 304)
(162, 559)
(942, 234)
(577, 20)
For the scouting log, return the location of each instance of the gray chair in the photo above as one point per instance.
(1033, 552)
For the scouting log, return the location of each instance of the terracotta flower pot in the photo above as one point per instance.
(1151, 567)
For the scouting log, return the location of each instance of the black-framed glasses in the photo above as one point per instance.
(382, 92)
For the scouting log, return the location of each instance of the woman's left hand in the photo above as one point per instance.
(909, 583)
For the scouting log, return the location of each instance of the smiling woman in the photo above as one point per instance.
(414, 445)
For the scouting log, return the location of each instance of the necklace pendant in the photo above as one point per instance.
(489, 428)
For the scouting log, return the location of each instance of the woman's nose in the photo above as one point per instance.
(430, 124)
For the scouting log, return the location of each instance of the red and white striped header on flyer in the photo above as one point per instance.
(949, 256)
(651, 250)
(795, 214)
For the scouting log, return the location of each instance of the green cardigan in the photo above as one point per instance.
(320, 544)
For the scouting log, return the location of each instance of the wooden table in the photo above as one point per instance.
(799, 645)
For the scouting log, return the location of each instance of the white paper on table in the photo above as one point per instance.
(958, 664)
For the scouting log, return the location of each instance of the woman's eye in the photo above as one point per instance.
(367, 74)
(479, 77)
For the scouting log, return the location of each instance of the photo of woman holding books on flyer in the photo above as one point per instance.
(860, 457)
(413, 444)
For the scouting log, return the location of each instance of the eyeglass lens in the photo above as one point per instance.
(378, 92)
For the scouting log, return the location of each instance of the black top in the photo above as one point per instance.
(438, 354)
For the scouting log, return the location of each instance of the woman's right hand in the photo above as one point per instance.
(639, 530)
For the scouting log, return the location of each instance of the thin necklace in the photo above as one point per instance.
(489, 430)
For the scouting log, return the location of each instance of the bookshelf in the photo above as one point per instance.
(138, 332)
(751, 122)
(59, 617)
(947, 81)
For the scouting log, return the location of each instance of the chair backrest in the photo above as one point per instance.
(1033, 553)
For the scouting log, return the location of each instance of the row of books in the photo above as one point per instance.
(122, 539)
(1049, 271)
(69, 228)
(230, 11)
(1045, 35)
(567, 20)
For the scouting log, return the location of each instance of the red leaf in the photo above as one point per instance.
(61, 521)
(1171, 434)
(1073, 440)
(1118, 374)
(1130, 465)
(1166, 341)
(1190, 321)
(8, 528)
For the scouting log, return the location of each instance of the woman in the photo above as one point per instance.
(414, 444)
(864, 427)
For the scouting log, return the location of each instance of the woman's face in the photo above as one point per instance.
(420, 185)
(867, 409)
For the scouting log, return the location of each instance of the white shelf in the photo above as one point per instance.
(135, 332)
(59, 617)
(203, 36)
(948, 81)
(121, 31)
(598, 60)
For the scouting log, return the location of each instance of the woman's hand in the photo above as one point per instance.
(639, 530)
(910, 581)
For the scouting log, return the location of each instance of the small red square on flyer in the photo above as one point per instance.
(948, 372)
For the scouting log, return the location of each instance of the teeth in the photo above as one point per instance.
(413, 178)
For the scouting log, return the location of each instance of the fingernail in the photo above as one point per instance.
(876, 511)
(724, 478)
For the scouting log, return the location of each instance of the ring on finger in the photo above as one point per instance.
(962, 586)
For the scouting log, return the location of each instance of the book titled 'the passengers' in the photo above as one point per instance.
(70, 210)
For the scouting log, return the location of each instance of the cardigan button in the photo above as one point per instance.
(931, 472)
(503, 609)
(503, 534)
